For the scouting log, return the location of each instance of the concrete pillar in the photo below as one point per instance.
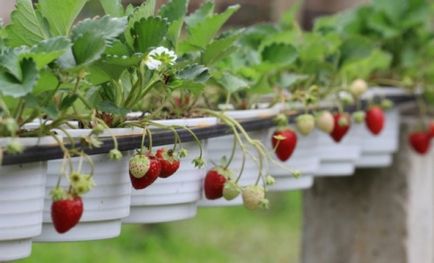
(376, 216)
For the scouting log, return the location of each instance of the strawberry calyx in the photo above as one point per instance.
(281, 121)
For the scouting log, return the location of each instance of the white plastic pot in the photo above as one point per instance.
(304, 159)
(22, 189)
(174, 198)
(377, 150)
(104, 206)
(222, 146)
(337, 159)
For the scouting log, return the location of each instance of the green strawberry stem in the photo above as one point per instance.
(175, 133)
(243, 162)
(422, 111)
(115, 141)
(231, 157)
(196, 139)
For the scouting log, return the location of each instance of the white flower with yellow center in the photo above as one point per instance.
(160, 56)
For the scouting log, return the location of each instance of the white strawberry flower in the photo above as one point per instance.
(160, 56)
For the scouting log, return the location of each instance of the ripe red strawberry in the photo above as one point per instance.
(375, 120)
(66, 213)
(284, 142)
(140, 181)
(420, 142)
(169, 162)
(342, 125)
(214, 182)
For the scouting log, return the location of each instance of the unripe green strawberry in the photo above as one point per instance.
(139, 165)
(346, 98)
(386, 104)
(11, 125)
(254, 197)
(325, 122)
(359, 116)
(305, 123)
(269, 180)
(81, 183)
(358, 87)
(231, 190)
(115, 154)
(296, 173)
(15, 147)
(98, 129)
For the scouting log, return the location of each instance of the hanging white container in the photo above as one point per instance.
(377, 150)
(304, 159)
(337, 159)
(104, 206)
(176, 197)
(22, 189)
(222, 146)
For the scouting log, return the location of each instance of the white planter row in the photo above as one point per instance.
(23, 188)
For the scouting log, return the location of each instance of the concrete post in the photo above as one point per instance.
(376, 216)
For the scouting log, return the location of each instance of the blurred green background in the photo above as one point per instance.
(231, 234)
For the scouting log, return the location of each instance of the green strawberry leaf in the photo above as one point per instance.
(11, 86)
(88, 48)
(46, 82)
(26, 26)
(60, 14)
(205, 10)
(174, 10)
(220, 47)
(10, 62)
(202, 32)
(149, 32)
(194, 72)
(112, 7)
(47, 51)
(107, 27)
(232, 83)
(279, 53)
(145, 10)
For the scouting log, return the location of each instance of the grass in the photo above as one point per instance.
(216, 235)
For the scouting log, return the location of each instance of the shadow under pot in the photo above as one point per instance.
(22, 189)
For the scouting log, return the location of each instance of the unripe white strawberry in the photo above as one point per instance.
(358, 87)
(359, 116)
(231, 190)
(138, 165)
(305, 123)
(254, 197)
(325, 122)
